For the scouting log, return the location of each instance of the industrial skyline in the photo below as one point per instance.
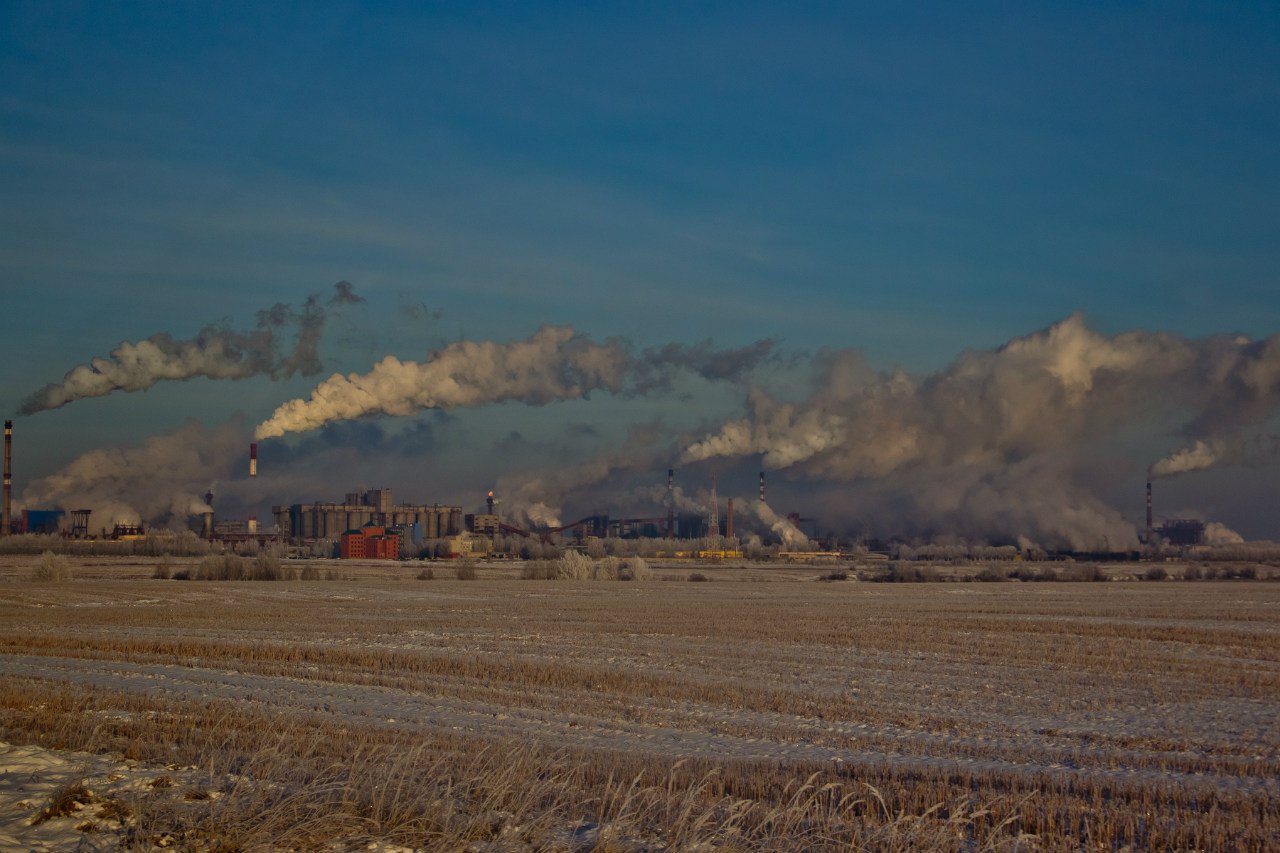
(944, 273)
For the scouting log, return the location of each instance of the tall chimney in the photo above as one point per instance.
(253, 459)
(761, 485)
(253, 524)
(715, 509)
(6, 516)
(489, 501)
(206, 528)
(671, 503)
(1150, 527)
(728, 522)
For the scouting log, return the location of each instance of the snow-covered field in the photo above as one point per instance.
(1056, 702)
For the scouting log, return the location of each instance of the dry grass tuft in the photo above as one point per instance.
(67, 800)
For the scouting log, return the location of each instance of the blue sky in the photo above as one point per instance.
(912, 180)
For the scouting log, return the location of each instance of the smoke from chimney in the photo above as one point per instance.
(1004, 434)
(555, 363)
(216, 352)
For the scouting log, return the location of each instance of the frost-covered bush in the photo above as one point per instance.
(607, 569)
(573, 566)
(52, 568)
(637, 570)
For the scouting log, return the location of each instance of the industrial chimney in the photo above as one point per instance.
(671, 503)
(489, 501)
(253, 459)
(1150, 526)
(6, 515)
(762, 486)
(728, 522)
(715, 509)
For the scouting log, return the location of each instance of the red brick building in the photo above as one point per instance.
(370, 543)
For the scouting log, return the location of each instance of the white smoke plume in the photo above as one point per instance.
(555, 363)
(538, 500)
(1199, 457)
(1216, 533)
(786, 532)
(216, 352)
(1216, 453)
(160, 482)
(994, 441)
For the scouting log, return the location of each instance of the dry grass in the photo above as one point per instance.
(578, 715)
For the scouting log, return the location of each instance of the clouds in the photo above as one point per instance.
(216, 352)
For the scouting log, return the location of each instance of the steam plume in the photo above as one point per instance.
(216, 352)
(1003, 434)
(1200, 456)
(160, 482)
(555, 363)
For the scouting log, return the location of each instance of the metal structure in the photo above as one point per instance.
(671, 503)
(713, 522)
(80, 523)
(1150, 526)
(6, 514)
(728, 524)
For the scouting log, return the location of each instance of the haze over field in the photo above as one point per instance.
(944, 274)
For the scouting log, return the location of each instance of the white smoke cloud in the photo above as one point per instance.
(782, 528)
(555, 363)
(217, 352)
(992, 445)
(162, 481)
(1199, 457)
(1216, 533)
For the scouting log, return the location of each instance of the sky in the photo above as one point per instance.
(913, 182)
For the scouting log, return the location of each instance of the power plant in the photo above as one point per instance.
(1179, 532)
(309, 522)
(365, 521)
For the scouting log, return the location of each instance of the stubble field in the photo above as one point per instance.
(761, 710)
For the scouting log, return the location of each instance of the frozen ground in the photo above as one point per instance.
(1162, 684)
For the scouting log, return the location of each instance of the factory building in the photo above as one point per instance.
(375, 506)
(370, 542)
(1183, 531)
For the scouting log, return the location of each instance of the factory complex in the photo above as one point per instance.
(369, 524)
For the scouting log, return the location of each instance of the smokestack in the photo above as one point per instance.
(6, 516)
(1150, 527)
(728, 523)
(489, 501)
(715, 509)
(671, 503)
(253, 524)
(206, 529)
(762, 486)
(253, 459)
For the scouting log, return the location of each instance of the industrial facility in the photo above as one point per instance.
(369, 524)
(309, 522)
